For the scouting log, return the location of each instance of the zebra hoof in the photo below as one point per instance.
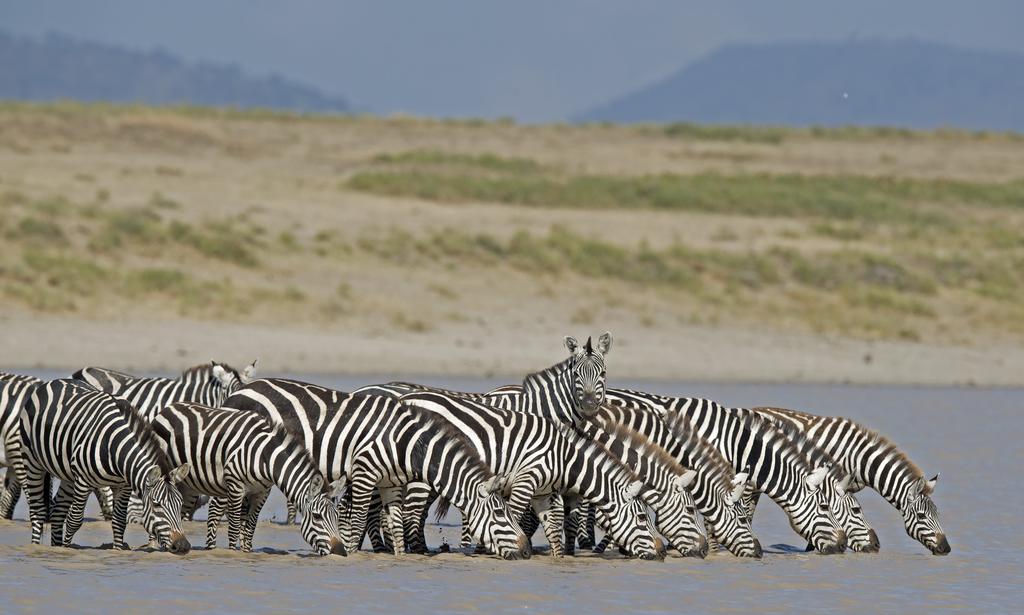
(210, 546)
(122, 547)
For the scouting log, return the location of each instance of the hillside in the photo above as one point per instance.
(153, 238)
(857, 82)
(59, 67)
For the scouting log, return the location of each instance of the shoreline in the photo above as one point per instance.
(682, 354)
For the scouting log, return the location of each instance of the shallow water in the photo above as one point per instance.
(971, 436)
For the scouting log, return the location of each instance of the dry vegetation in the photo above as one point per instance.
(468, 229)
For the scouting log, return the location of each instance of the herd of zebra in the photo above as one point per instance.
(559, 452)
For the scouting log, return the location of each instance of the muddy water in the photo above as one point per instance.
(971, 436)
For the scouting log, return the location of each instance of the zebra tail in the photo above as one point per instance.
(443, 505)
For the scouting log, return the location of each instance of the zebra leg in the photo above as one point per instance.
(293, 513)
(105, 496)
(36, 483)
(120, 521)
(551, 513)
(256, 502)
(391, 501)
(9, 498)
(236, 508)
(59, 513)
(380, 534)
(585, 528)
(213, 515)
(415, 507)
(361, 494)
(572, 523)
(76, 514)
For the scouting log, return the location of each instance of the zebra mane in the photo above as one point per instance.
(437, 424)
(555, 370)
(144, 433)
(206, 370)
(720, 469)
(641, 445)
(282, 437)
(817, 456)
(890, 450)
(609, 464)
(754, 422)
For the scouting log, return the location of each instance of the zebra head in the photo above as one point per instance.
(860, 536)
(491, 522)
(625, 517)
(161, 508)
(811, 513)
(730, 521)
(226, 379)
(320, 517)
(587, 371)
(684, 530)
(921, 516)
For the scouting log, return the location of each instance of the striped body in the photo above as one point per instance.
(377, 442)
(536, 457)
(776, 467)
(874, 461)
(89, 440)
(238, 455)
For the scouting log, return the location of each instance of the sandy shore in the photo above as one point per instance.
(687, 353)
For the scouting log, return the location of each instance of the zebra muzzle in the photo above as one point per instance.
(179, 545)
(338, 547)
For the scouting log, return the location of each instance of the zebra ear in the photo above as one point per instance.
(487, 487)
(316, 487)
(604, 343)
(336, 488)
(816, 477)
(571, 344)
(686, 479)
(737, 491)
(179, 473)
(929, 485)
(249, 371)
(154, 476)
(633, 489)
(844, 485)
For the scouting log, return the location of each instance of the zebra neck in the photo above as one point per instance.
(879, 465)
(289, 468)
(549, 394)
(137, 470)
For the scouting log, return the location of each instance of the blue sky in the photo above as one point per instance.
(534, 60)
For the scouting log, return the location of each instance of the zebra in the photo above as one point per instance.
(14, 390)
(237, 455)
(88, 439)
(716, 488)
(378, 442)
(874, 461)
(208, 384)
(536, 457)
(776, 466)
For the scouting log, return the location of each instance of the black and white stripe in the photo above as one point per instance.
(14, 390)
(874, 461)
(377, 442)
(536, 457)
(238, 455)
(89, 440)
(776, 467)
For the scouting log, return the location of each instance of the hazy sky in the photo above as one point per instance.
(530, 59)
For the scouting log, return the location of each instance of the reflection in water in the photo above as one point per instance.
(970, 436)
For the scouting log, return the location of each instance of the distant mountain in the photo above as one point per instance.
(60, 67)
(868, 82)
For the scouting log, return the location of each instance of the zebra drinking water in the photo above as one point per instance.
(716, 488)
(776, 466)
(377, 442)
(88, 440)
(237, 455)
(874, 461)
(537, 457)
